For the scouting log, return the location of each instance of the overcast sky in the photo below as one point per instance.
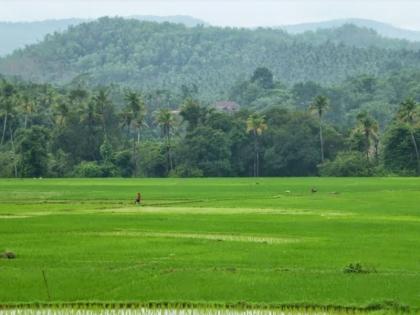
(402, 13)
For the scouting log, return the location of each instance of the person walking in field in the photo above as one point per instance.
(138, 199)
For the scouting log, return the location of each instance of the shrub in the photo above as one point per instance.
(398, 154)
(88, 169)
(8, 255)
(124, 161)
(7, 164)
(184, 170)
(358, 268)
(347, 164)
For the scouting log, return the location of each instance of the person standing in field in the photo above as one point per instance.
(138, 199)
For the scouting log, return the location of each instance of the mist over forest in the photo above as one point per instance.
(179, 97)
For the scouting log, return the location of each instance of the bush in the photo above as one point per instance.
(358, 268)
(8, 255)
(398, 154)
(93, 169)
(59, 164)
(7, 164)
(124, 162)
(347, 164)
(184, 170)
(88, 169)
(109, 170)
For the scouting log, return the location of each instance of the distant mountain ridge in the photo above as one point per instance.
(383, 29)
(152, 56)
(14, 35)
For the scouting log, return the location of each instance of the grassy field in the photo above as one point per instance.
(262, 241)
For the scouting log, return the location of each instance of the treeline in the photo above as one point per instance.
(51, 132)
(379, 96)
(166, 56)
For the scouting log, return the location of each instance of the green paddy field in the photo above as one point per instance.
(261, 242)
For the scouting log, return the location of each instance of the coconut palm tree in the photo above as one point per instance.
(369, 128)
(319, 106)
(126, 118)
(91, 119)
(61, 113)
(256, 125)
(135, 105)
(28, 107)
(408, 115)
(6, 105)
(165, 120)
(102, 103)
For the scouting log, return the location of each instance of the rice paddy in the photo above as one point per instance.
(270, 243)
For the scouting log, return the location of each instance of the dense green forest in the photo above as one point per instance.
(15, 35)
(383, 29)
(303, 130)
(130, 98)
(151, 56)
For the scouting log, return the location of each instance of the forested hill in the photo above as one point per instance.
(381, 28)
(152, 55)
(14, 35)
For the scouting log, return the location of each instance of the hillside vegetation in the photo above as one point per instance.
(53, 132)
(149, 55)
(165, 123)
(381, 28)
(16, 35)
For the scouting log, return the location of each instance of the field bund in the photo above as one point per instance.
(353, 244)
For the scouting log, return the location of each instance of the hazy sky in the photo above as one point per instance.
(403, 13)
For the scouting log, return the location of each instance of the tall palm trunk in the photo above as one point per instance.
(136, 162)
(14, 153)
(4, 127)
(416, 149)
(138, 154)
(367, 136)
(168, 143)
(257, 156)
(104, 128)
(321, 140)
(258, 162)
(377, 150)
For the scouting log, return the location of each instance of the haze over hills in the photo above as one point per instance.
(148, 55)
(384, 29)
(14, 35)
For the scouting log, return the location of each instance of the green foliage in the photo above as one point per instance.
(398, 153)
(32, 146)
(185, 170)
(208, 150)
(205, 60)
(358, 268)
(192, 113)
(60, 164)
(347, 164)
(293, 148)
(7, 164)
(119, 131)
(88, 169)
(124, 162)
(107, 154)
(263, 77)
(152, 159)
